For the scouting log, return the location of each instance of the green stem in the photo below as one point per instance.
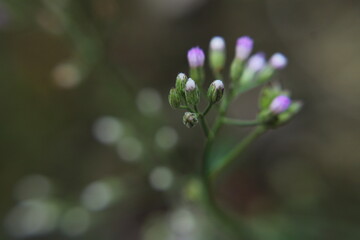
(222, 111)
(238, 149)
(241, 123)
(203, 122)
(207, 109)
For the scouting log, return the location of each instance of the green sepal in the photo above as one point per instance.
(192, 96)
(236, 69)
(198, 75)
(217, 60)
(174, 98)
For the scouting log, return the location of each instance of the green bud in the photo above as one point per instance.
(190, 119)
(217, 53)
(192, 93)
(215, 91)
(174, 98)
(180, 83)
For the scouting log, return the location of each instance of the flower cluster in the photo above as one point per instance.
(247, 71)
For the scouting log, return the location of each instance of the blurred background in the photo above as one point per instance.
(90, 148)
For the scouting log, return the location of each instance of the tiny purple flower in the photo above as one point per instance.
(280, 104)
(256, 62)
(196, 57)
(217, 44)
(278, 61)
(244, 46)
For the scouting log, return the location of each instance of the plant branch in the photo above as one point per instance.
(241, 123)
(203, 122)
(207, 109)
(238, 149)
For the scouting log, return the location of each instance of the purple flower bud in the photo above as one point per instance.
(217, 44)
(196, 57)
(244, 47)
(280, 104)
(278, 61)
(256, 62)
(190, 85)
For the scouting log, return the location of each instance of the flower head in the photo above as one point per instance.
(218, 84)
(256, 62)
(216, 91)
(180, 82)
(278, 61)
(196, 57)
(190, 119)
(244, 47)
(280, 104)
(192, 94)
(217, 44)
(190, 85)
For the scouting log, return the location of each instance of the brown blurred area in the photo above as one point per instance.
(90, 145)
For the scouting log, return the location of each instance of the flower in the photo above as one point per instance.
(278, 61)
(256, 62)
(190, 119)
(280, 104)
(180, 82)
(190, 85)
(196, 57)
(244, 47)
(216, 91)
(217, 44)
(192, 94)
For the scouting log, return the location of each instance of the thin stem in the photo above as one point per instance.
(241, 123)
(207, 109)
(239, 148)
(222, 111)
(203, 122)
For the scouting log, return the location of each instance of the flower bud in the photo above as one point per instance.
(196, 57)
(280, 104)
(278, 61)
(217, 44)
(192, 92)
(256, 62)
(190, 119)
(174, 98)
(180, 82)
(216, 91)
(217, 53)
(244, 47)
